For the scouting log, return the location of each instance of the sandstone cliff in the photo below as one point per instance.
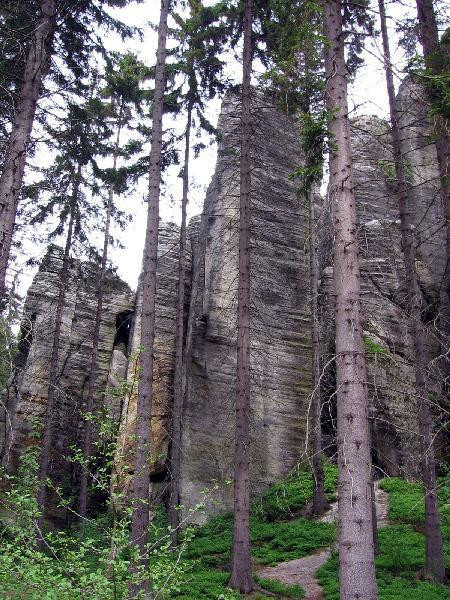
(281, 346)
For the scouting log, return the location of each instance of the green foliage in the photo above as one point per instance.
(402, 548)
(313, 136)
(401, 557)
(206, 584)
(387, 168)
(375, 349)
(96, 560)
(273, 543)
(406, 504)
(286, 498)
(274, 539)
(280, 589)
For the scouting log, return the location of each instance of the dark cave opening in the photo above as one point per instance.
(124, 321)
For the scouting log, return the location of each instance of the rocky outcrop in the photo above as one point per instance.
(280, 330)
(388, 345)
(168, 254)
(26, 397)
(280, 318)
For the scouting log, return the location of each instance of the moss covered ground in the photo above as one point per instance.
(401, 558)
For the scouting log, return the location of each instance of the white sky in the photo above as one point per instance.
(367, 96)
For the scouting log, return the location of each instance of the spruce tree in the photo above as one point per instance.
(64, 194)
(66, 28)
(434, 554)
(121, 98)
(356, 545)
(199, 63)
(140, 516)
(241, 564)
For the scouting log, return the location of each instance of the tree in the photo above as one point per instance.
(11, 178)
(123, 91)
(356, 551)
(295, 59)
(54, 360)
(434, 554)
(200, 65)
(241, 564)
(75, 41)
(63, 190)
(437, 61)
(140, 517)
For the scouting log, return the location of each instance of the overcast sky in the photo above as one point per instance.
(367, 96)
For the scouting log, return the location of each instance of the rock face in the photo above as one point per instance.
(27, 398)
(168, 254)
(280, 330)
(280, 317)
(388, 344)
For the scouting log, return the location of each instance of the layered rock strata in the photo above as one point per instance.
(25, 399)
(280, 318)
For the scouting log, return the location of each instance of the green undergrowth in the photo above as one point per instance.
(286, 498)
(280, 589)
(402, 548)
(276, 535)
(79, 564)
(406, 504)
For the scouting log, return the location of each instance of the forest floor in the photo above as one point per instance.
(302, 571)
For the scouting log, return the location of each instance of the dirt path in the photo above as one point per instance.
(302, 571)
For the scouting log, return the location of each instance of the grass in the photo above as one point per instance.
(280, 589)
(277, 533)
(406, 503)
(274, 540)
(402, 555)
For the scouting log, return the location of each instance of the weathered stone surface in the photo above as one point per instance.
(388, 344)
(280, 313)
(280, 316)
(27, 406)
(167, 277)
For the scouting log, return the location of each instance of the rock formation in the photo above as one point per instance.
(281, 346)
(25, 398)
(280, 319)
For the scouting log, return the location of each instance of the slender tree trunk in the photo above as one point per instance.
(14, 165)
(92, 387)
(356, 551)
(434, 557)
(436, 56)
(319, 500)
(140, 517)
(174, 501)
(54, 364)
(241, 563)
(376, 541)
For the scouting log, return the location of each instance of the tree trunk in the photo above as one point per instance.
(14, 165)
(241, 564)
(178, 398)
(356, 551)
(54, 365)
(434, 557)
(140, 517)
(376, 541)
(436, 56)
(92, 387)
(319, 500)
